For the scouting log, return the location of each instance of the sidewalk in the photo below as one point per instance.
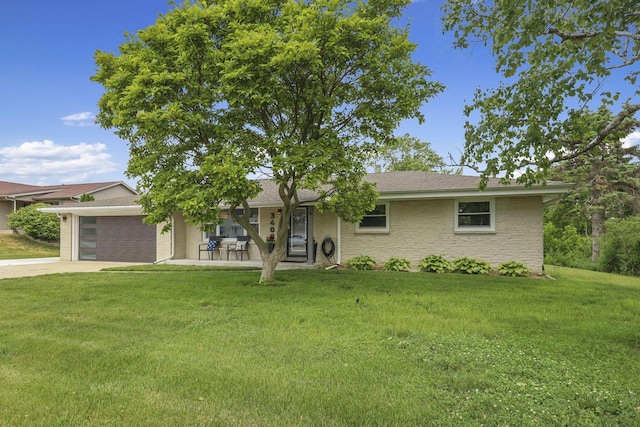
(39, 266)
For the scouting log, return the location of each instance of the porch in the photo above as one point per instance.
(282, 265)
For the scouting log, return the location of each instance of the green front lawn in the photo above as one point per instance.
(321, 348)
(14, 246)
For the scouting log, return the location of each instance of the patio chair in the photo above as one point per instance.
(242, 246)
(210, 247)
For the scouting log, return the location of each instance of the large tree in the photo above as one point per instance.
(300, 92)
(408, 153)
(560, 59)
(607, 178)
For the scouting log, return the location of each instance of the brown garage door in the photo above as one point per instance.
(117, 238)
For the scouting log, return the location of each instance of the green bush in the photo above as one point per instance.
(397, 264)
(566, 247)
(471, 266)
(435, 264)
(513, 269)
(362, 262)
(39, 225)
(620, 247)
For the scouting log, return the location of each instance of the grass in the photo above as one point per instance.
(14, 246)
(337, 348)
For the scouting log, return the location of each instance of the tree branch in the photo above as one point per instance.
(589, 34)
(628, 111)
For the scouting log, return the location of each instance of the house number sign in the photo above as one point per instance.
(272, 223)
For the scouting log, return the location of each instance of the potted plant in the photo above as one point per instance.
(271, 242)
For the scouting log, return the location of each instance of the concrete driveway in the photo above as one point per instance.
(39, 266)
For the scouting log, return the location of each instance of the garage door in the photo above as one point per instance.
(117, 238)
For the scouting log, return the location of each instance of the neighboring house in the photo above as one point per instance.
(14, 196)
(417, 214)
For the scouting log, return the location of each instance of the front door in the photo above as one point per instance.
(297, 245)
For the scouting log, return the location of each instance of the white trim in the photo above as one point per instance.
(385, 229)
(75, 233)
(491, 228)
(489, 192)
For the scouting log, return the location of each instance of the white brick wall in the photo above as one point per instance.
(66, 237)
(420, 228)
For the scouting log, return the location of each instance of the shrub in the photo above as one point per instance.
(397, 264)
(513, 269)
(566, 247)
(435, 264)
(39, 225)
(362, 262)
(620, 247)
(471, 266)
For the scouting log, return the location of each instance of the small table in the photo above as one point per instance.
(227, 244)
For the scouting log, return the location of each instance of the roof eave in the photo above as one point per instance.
(95, 210)
(474, 192)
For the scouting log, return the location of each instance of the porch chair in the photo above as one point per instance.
(210, 247)
(242, 246)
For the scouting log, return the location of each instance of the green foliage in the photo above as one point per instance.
(298, 92)
(39, 225)
(87, 198)
(565, 247)
(471, 266)
(397, 264)
(361, 262)
(406, 153)
(435, 264)
(606, 180)
(513, 269)
(554, 57)
(621, 247)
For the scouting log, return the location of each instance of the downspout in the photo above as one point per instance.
(173, 245)
(12, 199)
(15, 206)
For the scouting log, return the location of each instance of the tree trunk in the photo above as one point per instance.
(268, 270)
(597, 230)
(270, 262)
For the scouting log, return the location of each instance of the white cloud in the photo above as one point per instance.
(85, 118)
(44, 162)
(631, 139)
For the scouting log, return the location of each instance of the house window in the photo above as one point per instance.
(229, 228)
(475, 215)
(375, 220)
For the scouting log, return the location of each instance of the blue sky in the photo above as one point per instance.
(48, 103)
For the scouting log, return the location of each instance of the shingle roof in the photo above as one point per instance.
(8, 188)
(52, 192)
(390, 185)
(409, 181)
(75, 190)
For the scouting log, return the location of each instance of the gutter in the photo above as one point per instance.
(12, 199)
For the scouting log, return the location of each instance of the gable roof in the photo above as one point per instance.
(9, 188)
(390, 185)
(55, 192)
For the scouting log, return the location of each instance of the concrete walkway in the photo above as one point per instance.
(39, 266)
